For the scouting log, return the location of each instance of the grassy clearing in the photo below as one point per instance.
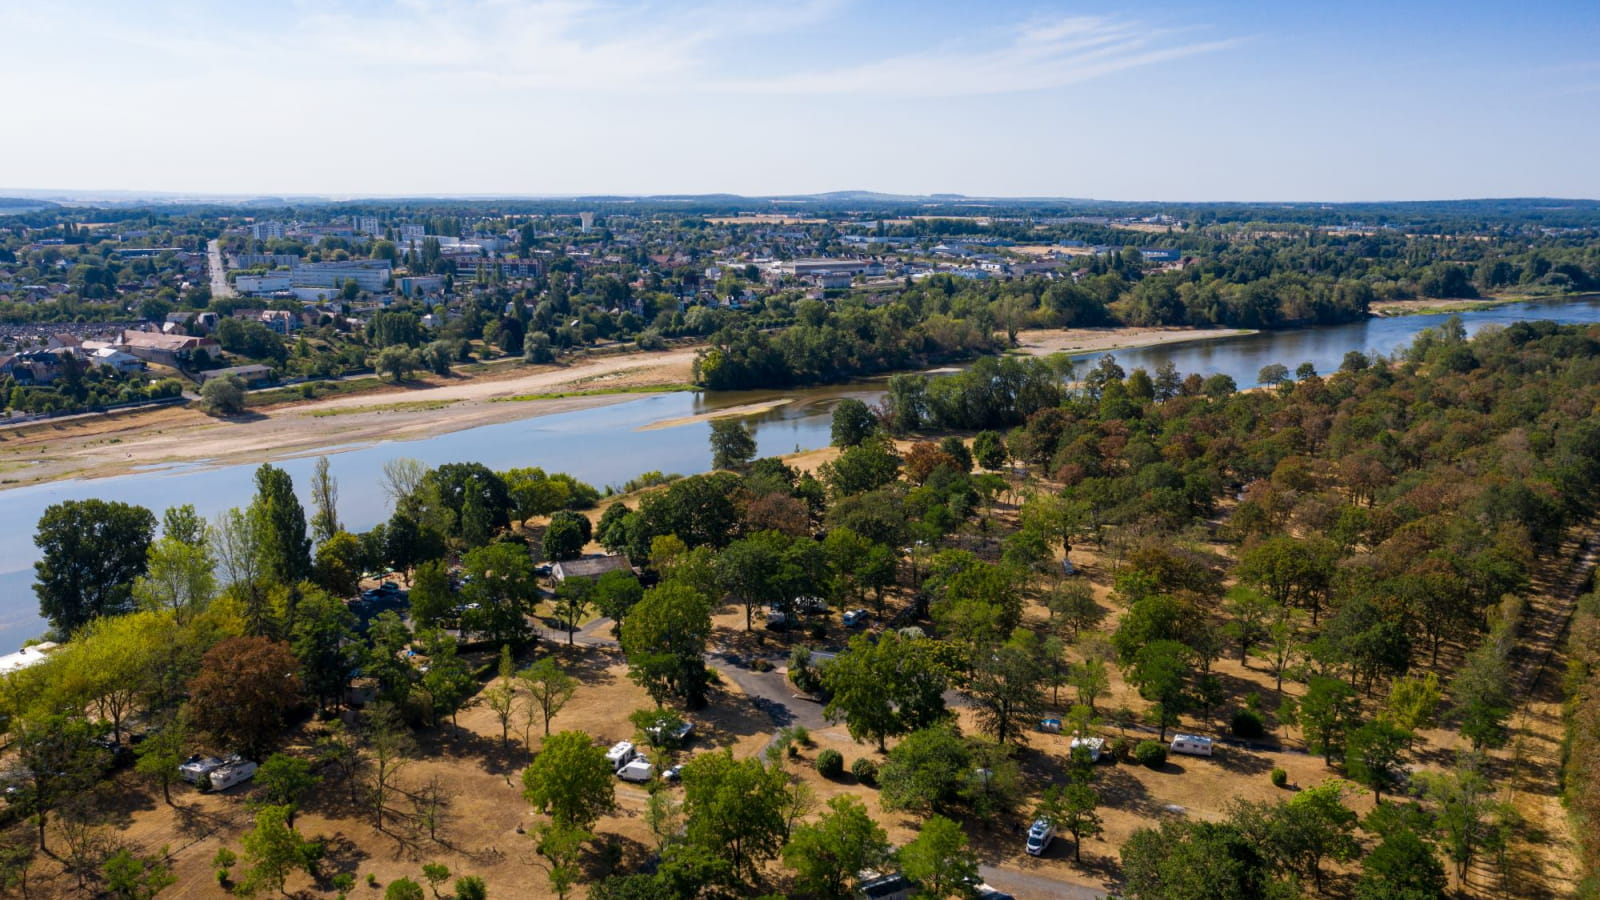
(299, 392)
(596, 392)
(403, 406)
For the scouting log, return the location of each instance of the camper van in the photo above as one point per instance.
(619, 755)
(638, 770)
(1092, 745)
(226, 776)
(1191, 745)
(196, 767)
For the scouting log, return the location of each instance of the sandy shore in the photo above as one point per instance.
(100, 446)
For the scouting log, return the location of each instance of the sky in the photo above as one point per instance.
(1245, 101)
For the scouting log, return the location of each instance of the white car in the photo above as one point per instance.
(1039, 837)
(854, 618)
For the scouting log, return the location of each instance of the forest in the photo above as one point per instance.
(1340, 564)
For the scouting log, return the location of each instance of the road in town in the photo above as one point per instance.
(219, 275)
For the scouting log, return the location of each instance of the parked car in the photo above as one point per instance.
(1040, 836)
(638, 770)
(659, 733)
(855, 618)
(777, 621)
(1191, 745)
(673, 773)
(1050, 726)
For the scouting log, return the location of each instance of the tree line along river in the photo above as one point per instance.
(610, 444)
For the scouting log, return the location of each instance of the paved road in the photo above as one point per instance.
(1032, 886)
(219, 276)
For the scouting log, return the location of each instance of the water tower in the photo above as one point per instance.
(587, 220)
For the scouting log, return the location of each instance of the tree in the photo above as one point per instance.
(571, 603)
(927, 771)
(1273, 374)
(131, 877)
(470, 887)
(1413, 702)
(1073, 608)
(285, 781)
(1072, 808)
(243, 690)
(505, 587)
(828, 854)
(1374, 757)
(324, 639)
(433, 598)
(274, 849)
(403, 889)
(1189, 860)
(160, 754)
(179, 576)
(59, 760)
(989, 449)
(864, 467)
(91, 552)
(285, 549)
(339, 563)
(325, 500)
(885, 688)
(1401, 867)
(1464, 803)
(448, 682)
(1161, 670)
(938, 860)
(1091, 681)
(1313, 826)
(114, 665)
(397, 362)
(182, 523)
(615, 595)
(501, 697)
(767, 568)
(735, 810)
(1007, 687)
(732, 444)
(549, 688)
(1326, 714)
(560, 845)
(223, 396)
(853, 422)
(570, 780)
(390, 745)
(664, 640)
(567, 533)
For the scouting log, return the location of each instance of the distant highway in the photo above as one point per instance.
(219, 275)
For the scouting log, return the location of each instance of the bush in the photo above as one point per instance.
(1247, 723)
(1150, 753)
(1280, 778)
(470, 887)
(830, 763)
(865, 771)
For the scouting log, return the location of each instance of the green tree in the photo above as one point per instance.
(397, 362)
(471, 887)
(273, 850)
(1313, 826)
(938, 859)
(885, 688)
(501, 696)
(989, 449)
(560, 845)
(571, 603)
(1326, 714)
(160, 754)
(864, 467)
(1190, 860)
(735, 810)
(91, 553)
(285, 549)
(853, 422)
(1413, 702)
(433, 599)
(732, 444)
(570, 780)
(664, 640)
(616, 594)
(339, 562)
(285, 781)
(1072, 808)
(59, 760)
(1007, 687)
(827, 854)
(927, 771)
(325, 500)
(505, 587)
(549, 688)
(567, 533)
(1401, 867)
(223, 396)
(1375, 757)
(324, 640)
(448, 681)
(1161, 671)
(131, 877)
(179, 576)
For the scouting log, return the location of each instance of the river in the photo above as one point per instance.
(610, 444)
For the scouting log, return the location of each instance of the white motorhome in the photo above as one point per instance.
(638, 770)
(1092, 745)
(195, 767)
(226, 776)
(620, 754)
(1191, 745)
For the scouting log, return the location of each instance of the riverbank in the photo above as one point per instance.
(1436, 306)
(115, 445)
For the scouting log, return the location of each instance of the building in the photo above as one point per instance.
(371, 275)
(1157, 254)
(166, 349)
(368, 225)
(123, 362)
(267, 231)
(270, 283)
(409, 234)
(801, 268)
(419, 285)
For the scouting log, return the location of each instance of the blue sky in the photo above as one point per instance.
(1179, 101)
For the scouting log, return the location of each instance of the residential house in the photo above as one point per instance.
(167, 349)
(590, 567)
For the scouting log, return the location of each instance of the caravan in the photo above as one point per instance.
(232, 773)
(1191, 745)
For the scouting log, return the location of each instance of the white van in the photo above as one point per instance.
(224, 777)
(619, 754)
(193, 768)
(638, 770)
(1191, 745)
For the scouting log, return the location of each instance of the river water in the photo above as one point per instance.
(611, 444)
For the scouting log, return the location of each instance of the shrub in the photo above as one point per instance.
(470, 887)
(1150, 753)
(802, 735)
(344, 881)
(1280, 778)
(372, 880)
(1247, 723)
(865, 771)
(830, 763)
(760, 665)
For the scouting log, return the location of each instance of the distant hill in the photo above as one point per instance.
(22, 204)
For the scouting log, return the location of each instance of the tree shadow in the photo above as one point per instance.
(1240, 761)
(1118, 788)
